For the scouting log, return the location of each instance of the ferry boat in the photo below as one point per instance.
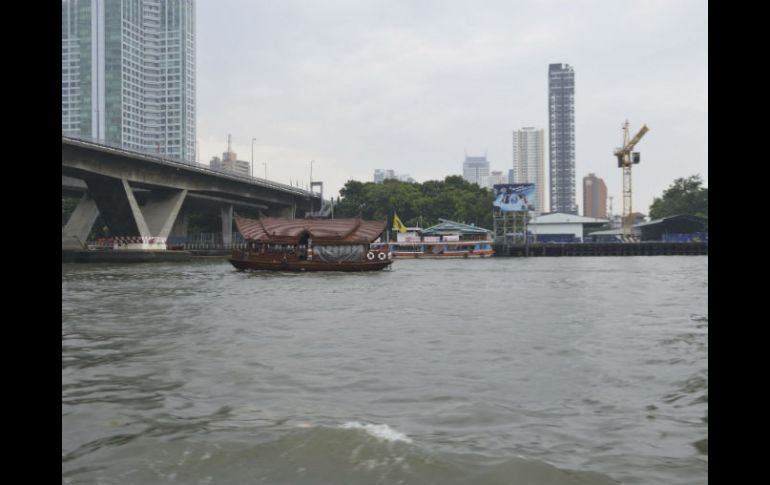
(276, 244)
(439, 249)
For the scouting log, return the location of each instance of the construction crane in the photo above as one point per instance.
(626, 158)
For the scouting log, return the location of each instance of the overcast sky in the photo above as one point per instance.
(411, 85)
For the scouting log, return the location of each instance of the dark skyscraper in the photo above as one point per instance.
(561, 137)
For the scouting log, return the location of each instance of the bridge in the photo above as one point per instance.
(144, 198)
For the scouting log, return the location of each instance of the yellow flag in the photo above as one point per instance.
(397, 224)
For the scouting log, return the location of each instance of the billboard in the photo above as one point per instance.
(514, 197)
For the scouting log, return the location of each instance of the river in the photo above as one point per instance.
(494, 371)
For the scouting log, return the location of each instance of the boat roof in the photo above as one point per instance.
(451, 227)
(322, 231)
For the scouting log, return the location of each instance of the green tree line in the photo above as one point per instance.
(684, 196)
(424, 203)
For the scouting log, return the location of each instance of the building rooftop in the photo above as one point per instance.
(683, 222)
(452, 227)
(562, 218)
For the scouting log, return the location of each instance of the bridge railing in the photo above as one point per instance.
(205, 241)
(172, 160)
(200, 241)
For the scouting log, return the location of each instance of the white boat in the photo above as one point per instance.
(439, 249)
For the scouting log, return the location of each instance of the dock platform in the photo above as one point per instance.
(650, 248)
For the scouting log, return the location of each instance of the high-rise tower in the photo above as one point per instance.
(594, 197)
(561, 137)
(475, 168)
(128, 73)
(529, 162)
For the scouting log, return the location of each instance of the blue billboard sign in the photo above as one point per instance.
(514, 197)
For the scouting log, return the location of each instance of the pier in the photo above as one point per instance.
(649, 248)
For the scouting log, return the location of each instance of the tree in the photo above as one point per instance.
(684, 196)
(453, 198)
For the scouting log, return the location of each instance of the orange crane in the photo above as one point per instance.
(625, 159)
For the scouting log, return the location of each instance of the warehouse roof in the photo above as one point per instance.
(562, 218)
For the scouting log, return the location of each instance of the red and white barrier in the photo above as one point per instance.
(139, 242)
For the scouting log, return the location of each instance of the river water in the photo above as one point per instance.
(493, 371)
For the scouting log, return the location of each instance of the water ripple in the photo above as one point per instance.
(497, 370)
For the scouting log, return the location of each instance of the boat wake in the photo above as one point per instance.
(379, 431)
(353, 452)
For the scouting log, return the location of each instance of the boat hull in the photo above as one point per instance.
(406, 255)
(439, 249)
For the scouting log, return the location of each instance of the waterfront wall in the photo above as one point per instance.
(604, 249)
(124, 256)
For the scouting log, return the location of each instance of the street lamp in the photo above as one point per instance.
(311, 172)
(252, 157)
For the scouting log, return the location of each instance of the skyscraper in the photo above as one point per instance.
(474, 168)
(529, 162)
(494, 178)
(594, 197)
(561, 137)
(128, 73)
(381, 175)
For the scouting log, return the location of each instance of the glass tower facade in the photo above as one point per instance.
(128, 73)
(475, 168)
(561, 137)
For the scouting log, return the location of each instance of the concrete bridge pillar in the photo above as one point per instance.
(227, 224)
(116, 203)
(80, 223)
(132, 226)
(161, 211)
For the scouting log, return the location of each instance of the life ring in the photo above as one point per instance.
(370, 256)
(382, 256)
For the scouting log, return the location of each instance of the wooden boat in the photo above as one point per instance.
(275, 244)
